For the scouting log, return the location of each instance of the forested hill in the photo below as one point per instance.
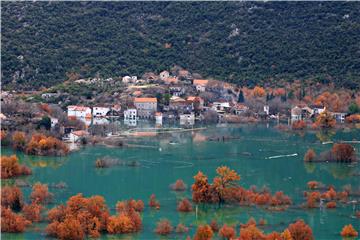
(244, 42)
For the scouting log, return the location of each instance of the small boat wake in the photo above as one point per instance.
(281, 156)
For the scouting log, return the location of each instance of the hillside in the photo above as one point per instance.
(242, 42)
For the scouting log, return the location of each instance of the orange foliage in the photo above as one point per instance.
(32, 212)
(121, 223)
(312, 199)
(298, 125)
(12, 222)
(45, 107)
(313, 185)
(203, 232)
(181, 228)
(325, 120)
(40, 193)
(225, 180)
(179, 185)
(184, 206)
(354, 118)
(200, 188)
(80, 217)
(309, 155)
(251, 232)
(227, 232)
(349, 231)
(12, 197)
(214, 226)
(259, 91)
(286, 235)
(3, 135)
(164, 227)
(279, 92)
(43, 145)
(331, 204)
(10, 167)
(153, 202)
(138, 206)
(19, 140)
(300, 231)
(343, 152)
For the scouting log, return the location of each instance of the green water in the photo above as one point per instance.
(182, 155)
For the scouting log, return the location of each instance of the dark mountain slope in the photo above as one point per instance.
(243, 42)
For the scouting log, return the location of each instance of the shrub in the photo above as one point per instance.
(214, 226)
(40, 193)
(313, 185)
(19, 140)
(309, 155)
(179, 185)
(300, 231)
(164, 227)
(331, 205)
(12, 222)
(203, 232)
(227, 232)
(12, 197)
(343, 152)
(10, 167)
(153, 202)
(349, 231)
(181, 228)
(32, 212)
(184, 206)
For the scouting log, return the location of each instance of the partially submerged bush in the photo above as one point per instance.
(349, 231)
(179, 185)
(10, 167)
(310, 155)
(343, 152)
(164, 227)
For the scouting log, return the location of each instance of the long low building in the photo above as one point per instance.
(146, 107)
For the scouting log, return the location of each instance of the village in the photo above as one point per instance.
(178, 97)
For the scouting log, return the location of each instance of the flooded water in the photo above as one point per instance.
(262, 156)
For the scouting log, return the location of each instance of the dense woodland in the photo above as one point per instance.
(249, 43)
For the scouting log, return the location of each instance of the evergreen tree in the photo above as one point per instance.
(241, 98)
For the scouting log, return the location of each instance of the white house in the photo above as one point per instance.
(126, 79)
(158, 118)
(220, 106)
(74, 136)
(187, 119)
(54, 121)
(164, 75)
(200, 84)
(79, 111)
(130, 114)
(100, 111)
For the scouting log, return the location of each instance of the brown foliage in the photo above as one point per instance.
(259, 91)
(313, 185)
(227, 232)
(12, 197)
(32, 212)
(309, 155)
(40, 193)
(181, 228)
(251, 232)
(179, 185)
(43, 145)
(19, 140)
(325, 120)
(300, 231)
(214, 225)
(12, 222)
(354, 118)
(79, 217)
(203, 232)
(201, 188)
(10, 167)
(331, 204)
(298, 125)
(343, 152)
(153, 202)
(184, 206)
(164, 227)
(349, 231)
(122, 206)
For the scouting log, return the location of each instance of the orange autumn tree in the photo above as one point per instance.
(179, 185)
(19, 140)
(46, 145)
(32, 212)
(79, 217)
(203, 232)
(164, 227)
(325, 120)
(10, 167)
(201, 188)
(309, 155)
(349, 231)
(226, 180)
(343, 152)
(40, 193)
(153, 202)
(259, 92)
(300, 231)
(12, 222)
(227, 232)
(184, 206)
(12, 197)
